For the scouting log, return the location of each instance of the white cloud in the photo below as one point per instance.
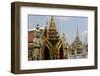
(84, 33)
(63, 18)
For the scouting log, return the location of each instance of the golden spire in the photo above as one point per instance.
(52, 23)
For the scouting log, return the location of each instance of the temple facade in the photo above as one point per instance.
(77, 49)
(47, 44)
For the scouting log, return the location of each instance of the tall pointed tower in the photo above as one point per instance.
(77, 35)
(53, 45)
(52, 23)
(77, 46)
(53, 34)
(78, 43)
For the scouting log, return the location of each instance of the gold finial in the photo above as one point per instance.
(52, 23)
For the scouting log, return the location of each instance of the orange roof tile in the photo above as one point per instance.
(30, 36)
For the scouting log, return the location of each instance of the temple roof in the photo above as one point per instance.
(77, 40)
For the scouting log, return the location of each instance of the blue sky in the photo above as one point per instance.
(66, 24)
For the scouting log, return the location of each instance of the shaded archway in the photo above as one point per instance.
(61, 52)
(46, 53)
